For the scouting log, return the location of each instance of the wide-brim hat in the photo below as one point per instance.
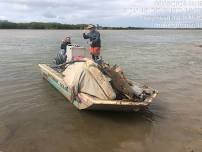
(90, 26)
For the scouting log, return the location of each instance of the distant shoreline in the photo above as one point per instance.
(59, 26)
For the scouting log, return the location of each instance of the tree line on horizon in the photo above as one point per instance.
(42, 25)
(4, 24)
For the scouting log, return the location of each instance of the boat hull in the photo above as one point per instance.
(86, 102)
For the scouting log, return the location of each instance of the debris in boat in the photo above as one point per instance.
(97, 78)
(101, 81)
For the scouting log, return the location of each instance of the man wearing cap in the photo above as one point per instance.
(95, 43)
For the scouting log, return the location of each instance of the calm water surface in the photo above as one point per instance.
(34, 117)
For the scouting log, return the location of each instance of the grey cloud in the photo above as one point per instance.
(32, 3)
(49, 15)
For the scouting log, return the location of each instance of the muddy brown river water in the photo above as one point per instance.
(34, 117)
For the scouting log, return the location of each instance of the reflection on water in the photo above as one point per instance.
(35, 117)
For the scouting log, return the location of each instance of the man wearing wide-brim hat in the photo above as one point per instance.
(95, 43)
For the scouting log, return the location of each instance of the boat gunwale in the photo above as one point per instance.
(95, 100)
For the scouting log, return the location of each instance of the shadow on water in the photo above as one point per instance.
(123, 117)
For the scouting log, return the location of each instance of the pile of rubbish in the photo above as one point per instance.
(101, 81)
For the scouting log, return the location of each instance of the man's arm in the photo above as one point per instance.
(85, 36)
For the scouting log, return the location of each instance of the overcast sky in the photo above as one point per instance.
(147, 13)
